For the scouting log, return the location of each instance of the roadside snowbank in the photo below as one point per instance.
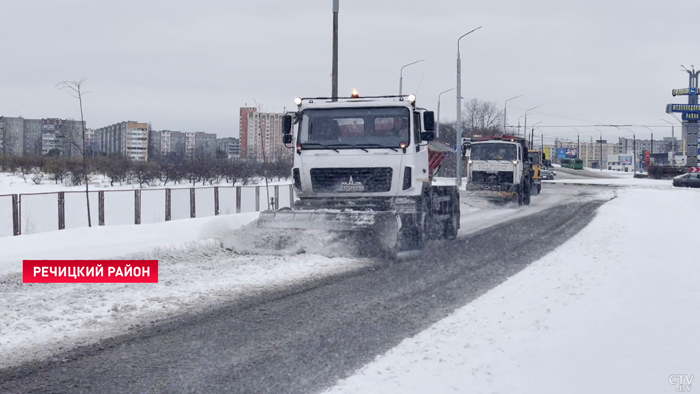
(611, 310)
(195, 272)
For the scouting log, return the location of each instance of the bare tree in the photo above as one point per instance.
(481, 117)
(75, 89)
(264, 141)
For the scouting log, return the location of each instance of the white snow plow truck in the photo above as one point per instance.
(499, 169)
(365, 165)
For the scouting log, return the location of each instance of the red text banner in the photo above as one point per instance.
(90, 271)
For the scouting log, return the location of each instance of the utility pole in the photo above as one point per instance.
(542, 141)
(505, 108)
(458, 131)
(690, 127)
(601, 150)
(334, 83)
(634, 152)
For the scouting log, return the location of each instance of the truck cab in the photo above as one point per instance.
(536, 159)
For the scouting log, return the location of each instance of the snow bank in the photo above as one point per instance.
(195, 272)
(611, 310)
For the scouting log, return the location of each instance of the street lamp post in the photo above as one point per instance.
(505, 108)
(673, 141)
(525, 126)
(437, 127)
(401, 75)
(518, 133)
(458, 131)
(532, 135)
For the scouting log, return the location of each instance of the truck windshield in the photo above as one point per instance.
(353, 128)
(494, 151)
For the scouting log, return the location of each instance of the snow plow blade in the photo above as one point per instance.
(324, 220)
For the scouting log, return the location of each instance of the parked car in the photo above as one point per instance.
(547, 175)
(687, 180)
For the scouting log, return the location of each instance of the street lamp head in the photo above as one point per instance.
(464, 35)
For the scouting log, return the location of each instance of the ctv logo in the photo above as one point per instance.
(684, 382)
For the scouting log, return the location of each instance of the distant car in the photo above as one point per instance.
(547, 175)
(687, 180)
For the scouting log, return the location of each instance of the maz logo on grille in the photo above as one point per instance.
(351, 186)
(370, 180)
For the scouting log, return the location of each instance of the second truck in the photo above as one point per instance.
(499, 169)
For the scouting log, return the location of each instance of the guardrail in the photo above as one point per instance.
(34, 212)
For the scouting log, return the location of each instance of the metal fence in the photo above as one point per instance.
(31, 213)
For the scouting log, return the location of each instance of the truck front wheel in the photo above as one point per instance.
(526, 194)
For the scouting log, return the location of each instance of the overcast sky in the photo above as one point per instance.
(190, 65)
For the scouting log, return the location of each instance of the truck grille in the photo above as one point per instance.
(490, 177)
(349, 180)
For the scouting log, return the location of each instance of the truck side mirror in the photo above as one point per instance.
(427, 136)
(287, 139)
(429, 122)
(287, 125)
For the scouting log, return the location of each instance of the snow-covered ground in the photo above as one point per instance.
(195, 272)
(612, 310)
(607, 178)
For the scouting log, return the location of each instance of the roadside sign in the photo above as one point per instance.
(684, 92)
(682, 108)
(694, 169)
(690, 115)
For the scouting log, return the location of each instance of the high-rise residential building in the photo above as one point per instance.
(261, 136)
(12, 135)
(231, 146)
(178, 144)
(19, 136)
(63, 136)
(243, 130)
(129, 138)
(33, 137)
(204, 145)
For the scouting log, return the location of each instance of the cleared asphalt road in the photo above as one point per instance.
(304, 339)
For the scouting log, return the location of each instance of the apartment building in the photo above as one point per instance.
(261, 136)
(232, 147)
(186, 145)
(128, 138)
(19, 136)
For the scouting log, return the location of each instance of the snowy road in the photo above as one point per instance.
(304, 338)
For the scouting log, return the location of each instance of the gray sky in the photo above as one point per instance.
(190, 65)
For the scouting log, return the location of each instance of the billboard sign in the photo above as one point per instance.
(684, 92)
(626, 160)
(567, 153)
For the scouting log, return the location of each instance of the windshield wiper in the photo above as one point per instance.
(382, 146)
(352, 145)
(319, 144)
